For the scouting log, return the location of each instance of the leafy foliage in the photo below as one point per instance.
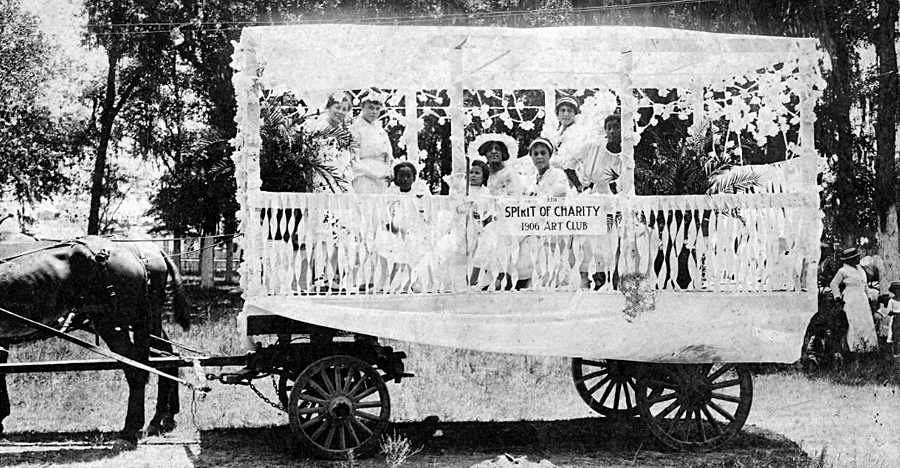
(35, 146)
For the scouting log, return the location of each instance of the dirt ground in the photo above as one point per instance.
(585, 443)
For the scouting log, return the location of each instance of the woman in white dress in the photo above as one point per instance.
(861, 335)
(372, 167)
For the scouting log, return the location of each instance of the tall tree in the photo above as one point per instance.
(886, 190)
(134, 46)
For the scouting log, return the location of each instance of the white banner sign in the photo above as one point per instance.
(555, 216)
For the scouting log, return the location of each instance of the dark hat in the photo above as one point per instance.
(894, 285)
(570, 100)
(849, 254)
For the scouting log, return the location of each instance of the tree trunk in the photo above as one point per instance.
(886, 137)
(107, 117)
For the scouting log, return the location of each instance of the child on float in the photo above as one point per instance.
(496, 252)
(404, 240)
(445, 268)
(567, 110)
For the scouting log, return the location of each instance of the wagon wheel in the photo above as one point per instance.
(695, 406)
(338, 404)
(607, 386)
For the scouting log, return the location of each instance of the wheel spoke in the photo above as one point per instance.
(368, 404)
(662, 398)
(311, 399)
(700, 428)
(722, 396)
(672, 421)
(364, 394)
(330, 437)
(590, 376)
(599, 384)
(616, 399)
(348, 428)
(342, 437)
(359, 383)
(337, 378)
(312, 421)
(318, 388)
(721, 411)
(361, 426)
(320, 430)
(661, 384)
(348, 381)
(364, 415)
(311, 410)
(719, 372)
(627, 392)
(725, 384)
(326, 381)
(605, 394)
(712, 421)
(668, 409)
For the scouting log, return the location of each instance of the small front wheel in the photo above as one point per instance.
(339, 404)
(607, 386)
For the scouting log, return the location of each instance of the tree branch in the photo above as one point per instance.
(126, 94)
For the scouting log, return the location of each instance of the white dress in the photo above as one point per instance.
(371, 171)
(553, 183)
(861, 335)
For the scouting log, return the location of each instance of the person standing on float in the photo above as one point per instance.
(861, 335)
(372, 167)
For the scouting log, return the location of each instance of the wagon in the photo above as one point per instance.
(686, 290)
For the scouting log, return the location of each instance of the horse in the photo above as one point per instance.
(110, 287)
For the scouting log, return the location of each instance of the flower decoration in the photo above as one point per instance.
(512, 146)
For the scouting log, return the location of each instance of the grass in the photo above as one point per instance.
(492, 403)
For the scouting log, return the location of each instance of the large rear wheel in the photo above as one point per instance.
(694, 406)
(339, 404)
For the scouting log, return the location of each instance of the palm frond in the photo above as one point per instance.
(734, 182)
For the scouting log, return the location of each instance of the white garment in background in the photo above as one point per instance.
(861, 335)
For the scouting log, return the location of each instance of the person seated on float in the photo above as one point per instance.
(372, 168)
(602, 161)
(495, 251)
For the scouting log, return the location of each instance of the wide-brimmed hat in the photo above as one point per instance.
(849, 254)
(512, 146)
(542, 141)
(570, 100)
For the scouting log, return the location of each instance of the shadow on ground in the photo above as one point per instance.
(581, 442)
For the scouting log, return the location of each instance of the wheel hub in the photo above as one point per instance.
(340, 407)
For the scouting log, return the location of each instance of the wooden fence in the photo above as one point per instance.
(189, 258)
